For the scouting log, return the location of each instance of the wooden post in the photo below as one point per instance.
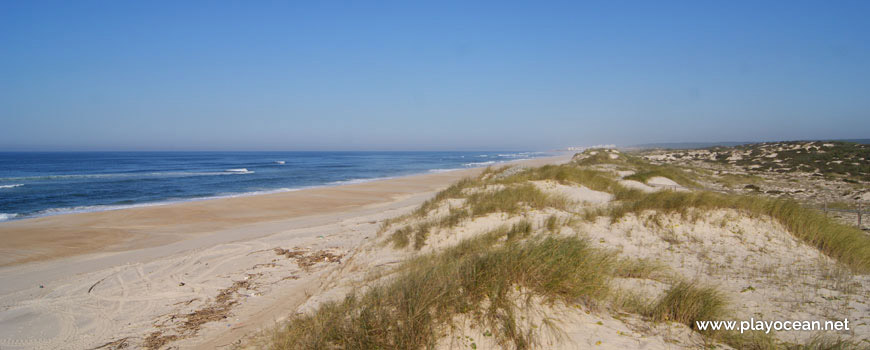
(859, 218)
(826, 208)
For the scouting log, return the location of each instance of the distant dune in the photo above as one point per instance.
(691, 145)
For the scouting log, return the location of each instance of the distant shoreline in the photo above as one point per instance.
(57, 236)
(50, 184)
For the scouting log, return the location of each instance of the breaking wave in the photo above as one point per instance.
(130, 175)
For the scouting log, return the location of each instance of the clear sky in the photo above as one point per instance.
(439, 75)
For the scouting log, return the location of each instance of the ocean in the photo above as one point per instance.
(34, 184)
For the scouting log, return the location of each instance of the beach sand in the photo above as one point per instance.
(59, 236)
(80, 281)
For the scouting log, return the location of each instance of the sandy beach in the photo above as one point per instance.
(229, 273)
(292, 175)
(84, 280)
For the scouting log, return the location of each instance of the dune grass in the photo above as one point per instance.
(454, 191)
(846, 244)
(402, 236)
(597, 156)
(552, 223)
(841, 242)
(640, 268)
(519, 230)
(749, 340)
(737, 180)
(509, 200)
(516, 195)
(565, 174)
(829, 343)
(491, 277)
(686, 303)
(512, 199)
(643, 169)
(677, 175)
(476, 279)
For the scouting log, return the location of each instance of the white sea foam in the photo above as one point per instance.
(235, 171)
(513, 155)
(90, 208)
(239, 171)
(520, 154)
(477, 164)
(491, 162)
(441, 170)
(253, 193)
(97, 208)
(129, 175)
(359, 181)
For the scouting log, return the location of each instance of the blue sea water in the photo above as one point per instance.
(40, 184)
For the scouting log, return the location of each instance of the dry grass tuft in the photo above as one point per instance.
(188, 324)
(488, 278)
(306, 260)
(846, 244)
(830, 343)
(512, 199)
(749, 340)
(475, 278)
(679, 176)
(565, 174)
(686, 303)
(640, 268)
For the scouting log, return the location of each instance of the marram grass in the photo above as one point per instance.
(846, 244)
(475, 279)
(481, 277)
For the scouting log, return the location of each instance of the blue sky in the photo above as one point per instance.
(409, 75)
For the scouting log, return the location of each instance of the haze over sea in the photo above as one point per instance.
(40, 184)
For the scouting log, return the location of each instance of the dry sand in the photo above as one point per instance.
(80, 281)
(211, 274)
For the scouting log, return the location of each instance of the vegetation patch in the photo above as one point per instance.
(673, 173)
(511, 199)
(832, 159)
(475, 278)
(686, 303)
(492, 278)
(566, 174)
(188, 324)
(846, 244)
(829, 343)
(307, 259)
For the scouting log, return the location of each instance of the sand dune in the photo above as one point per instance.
(674, 256)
